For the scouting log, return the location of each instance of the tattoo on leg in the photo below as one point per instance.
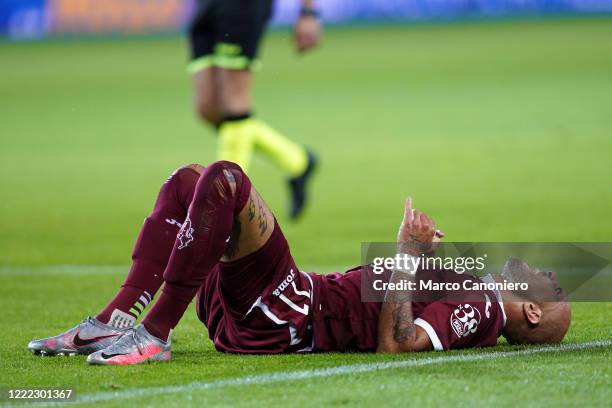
(263, 222)
(257, 211)
(251, 209)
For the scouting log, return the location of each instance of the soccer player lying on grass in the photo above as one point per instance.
(230, 253)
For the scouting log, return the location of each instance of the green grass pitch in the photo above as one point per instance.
(501, 131)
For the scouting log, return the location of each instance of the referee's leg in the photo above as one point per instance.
(225, 41)
(201, 43)
(206, 100)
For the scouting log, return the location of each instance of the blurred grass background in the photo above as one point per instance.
(502, 131)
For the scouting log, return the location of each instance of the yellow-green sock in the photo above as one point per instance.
(287, 154)
(236, 139)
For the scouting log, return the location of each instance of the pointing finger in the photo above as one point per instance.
(408, 212)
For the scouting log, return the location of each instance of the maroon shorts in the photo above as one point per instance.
(260, 303)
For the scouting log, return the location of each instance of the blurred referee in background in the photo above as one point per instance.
(224, 37)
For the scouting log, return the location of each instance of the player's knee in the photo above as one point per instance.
(221, 172)
(188, 169)
(184, 176)
(176, 192)
(227, 165)
(228, 180)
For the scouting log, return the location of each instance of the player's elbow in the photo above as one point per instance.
(418, 342)
(411, 347)
(388, 347)
(394, 347)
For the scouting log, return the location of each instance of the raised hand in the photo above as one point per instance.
(417, 233)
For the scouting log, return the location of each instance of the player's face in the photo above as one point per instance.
(543, 286)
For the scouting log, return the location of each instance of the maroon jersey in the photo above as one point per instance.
(262, 303)
(342, 322)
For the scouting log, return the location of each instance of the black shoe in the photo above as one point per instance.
(298, 187)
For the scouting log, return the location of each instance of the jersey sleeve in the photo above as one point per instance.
(452, 325)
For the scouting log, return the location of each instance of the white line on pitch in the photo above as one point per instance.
(68, 270)
(84, 270)
(286, 376)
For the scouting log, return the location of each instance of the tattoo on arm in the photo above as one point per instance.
(403, 319)
(403, 324)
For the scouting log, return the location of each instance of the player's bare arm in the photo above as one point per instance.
(396, 329)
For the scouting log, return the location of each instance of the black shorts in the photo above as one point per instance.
(226, 33)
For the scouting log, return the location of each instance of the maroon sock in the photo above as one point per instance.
(200, 243)
(152, 250)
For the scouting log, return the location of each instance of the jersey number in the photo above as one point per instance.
(301, 293)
